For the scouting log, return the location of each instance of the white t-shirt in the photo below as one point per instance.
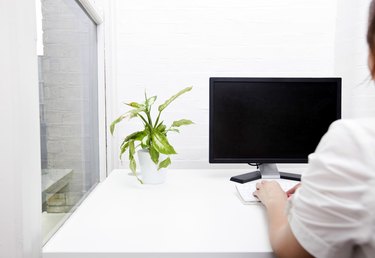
(332, 214)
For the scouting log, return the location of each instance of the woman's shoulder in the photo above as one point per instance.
(353, 129)
(353, 123)
(348, 146)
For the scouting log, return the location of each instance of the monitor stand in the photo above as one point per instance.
(266, 171)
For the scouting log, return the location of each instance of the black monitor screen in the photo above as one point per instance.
(269, 120)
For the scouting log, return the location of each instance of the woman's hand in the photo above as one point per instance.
(270, 192)
(292, 190)
(283, 242)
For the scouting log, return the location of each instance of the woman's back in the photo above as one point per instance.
(333, 213)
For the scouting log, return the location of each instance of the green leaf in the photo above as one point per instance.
(146, 124)
(145, 96)
(154, 154)
(137, 136)
(123, 148)
(181, 122)
(135, 112)
(140, 136)
(174, 130)
(144, 142)
(161, 128)
(151, 101)
(130, 114)
(131, 149)
(133, 165)
(113, 124)
(133, 168)
(165, 163)
(123, 142)
(134, 104)
(161, 143)
(166, 103)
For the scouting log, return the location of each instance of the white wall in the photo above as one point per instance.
(20, 173)
(351, 58)
(166, 45)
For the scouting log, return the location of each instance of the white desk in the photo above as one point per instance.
(196, 213)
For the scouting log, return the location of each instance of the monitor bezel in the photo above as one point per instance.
(212, 81)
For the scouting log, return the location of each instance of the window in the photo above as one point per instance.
(68, 86)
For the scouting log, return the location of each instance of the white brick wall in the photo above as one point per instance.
(69, 87)
(166, 45)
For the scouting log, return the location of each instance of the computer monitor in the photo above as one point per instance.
(270, 120)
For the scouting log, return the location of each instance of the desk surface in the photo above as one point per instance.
(195, 213)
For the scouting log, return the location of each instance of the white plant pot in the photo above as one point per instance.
(149, 170)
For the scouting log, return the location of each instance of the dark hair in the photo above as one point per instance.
(371, 37)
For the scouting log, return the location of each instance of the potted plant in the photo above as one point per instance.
(152, 142)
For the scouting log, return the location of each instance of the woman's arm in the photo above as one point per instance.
(283, 242)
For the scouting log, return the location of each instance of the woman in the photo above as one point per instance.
(332, 213)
